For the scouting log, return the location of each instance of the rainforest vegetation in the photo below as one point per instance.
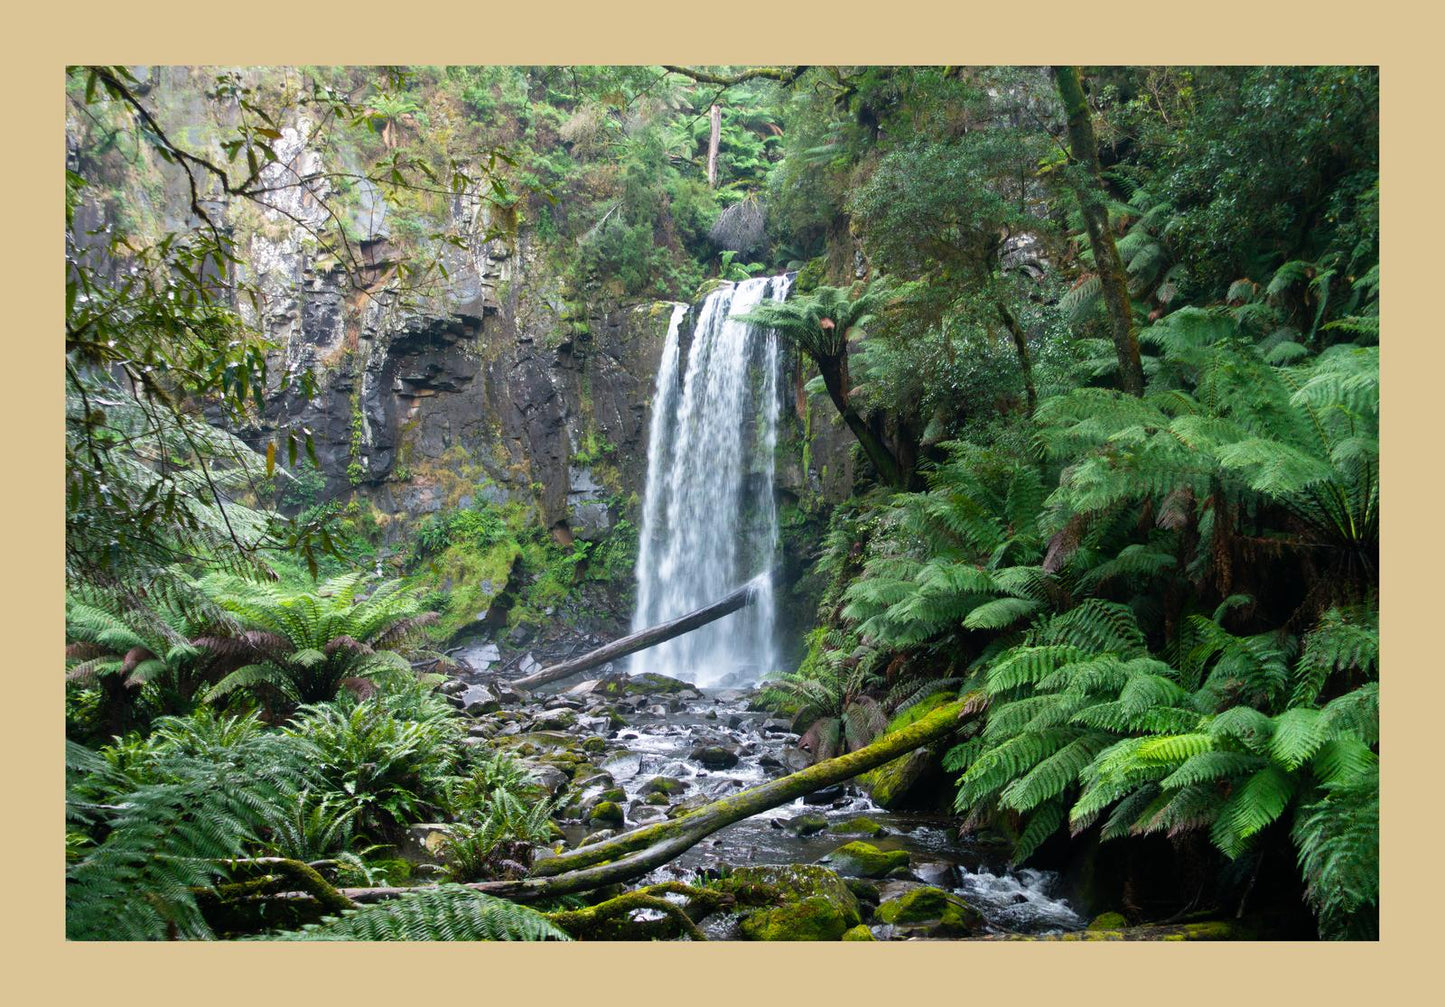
(1100, 347)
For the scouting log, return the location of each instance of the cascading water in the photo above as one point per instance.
(709, 520)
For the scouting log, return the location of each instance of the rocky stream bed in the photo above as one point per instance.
(619, 752)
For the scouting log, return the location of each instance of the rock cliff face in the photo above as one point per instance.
(493, 386)
(490, 388)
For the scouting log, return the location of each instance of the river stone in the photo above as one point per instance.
(939, 913)
(807, 824)
(549, 778)
(859, 827)
(478, 699)
(825, 796)
(664, 785)
(606, 813)
(935, 872)
(714, 756)
(859, 933)
(864, 860)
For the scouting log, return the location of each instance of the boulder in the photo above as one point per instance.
(807, 824)
(859, 933)
(664, 785)
(933, 911)
(714, 756)
(549, 778)
(478, 700)
(864, 860)
(936, 872)
(606, 813)
(859, 827)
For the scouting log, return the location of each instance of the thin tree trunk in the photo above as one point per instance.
(1021, 347)
(713, 136)
(649, 637)
(835, 379)
(1114, 282)
(634, 854)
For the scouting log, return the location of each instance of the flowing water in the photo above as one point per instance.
(709, 519)
(660, 741)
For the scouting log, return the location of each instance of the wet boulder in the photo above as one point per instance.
(931, 911)
(715, 756)
(864, 860)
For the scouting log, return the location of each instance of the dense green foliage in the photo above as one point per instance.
(1161, 604)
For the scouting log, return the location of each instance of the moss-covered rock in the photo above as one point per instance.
(606, 813)
(664, 785)
(943, 913)
(859, 933)
(594, 745)
(799, 882)
(1108, 921)
(656, 798)
(812, 919)
(858, 827)
(807, 824)
(864, 860)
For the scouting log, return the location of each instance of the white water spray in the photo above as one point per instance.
(709, 519)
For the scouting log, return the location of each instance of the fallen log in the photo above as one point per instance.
(649, 637)
(635, 853)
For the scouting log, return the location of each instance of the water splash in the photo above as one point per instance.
(709, 519)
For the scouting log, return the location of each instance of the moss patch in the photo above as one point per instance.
(947, 913)
(812, 919)
(864, 860)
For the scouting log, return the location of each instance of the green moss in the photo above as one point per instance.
(812, 919)
(865, 860)
(808, 823)
(1108, 921)
(890, 783)
(606, 813)
(858, 826)
(859, 933)
(799, 882)
(948, 914)
(664, 785)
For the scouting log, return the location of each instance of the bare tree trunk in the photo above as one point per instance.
(713, 136)
(1114, 282)
(649, 637)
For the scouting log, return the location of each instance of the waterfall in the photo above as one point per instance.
(709, 519)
